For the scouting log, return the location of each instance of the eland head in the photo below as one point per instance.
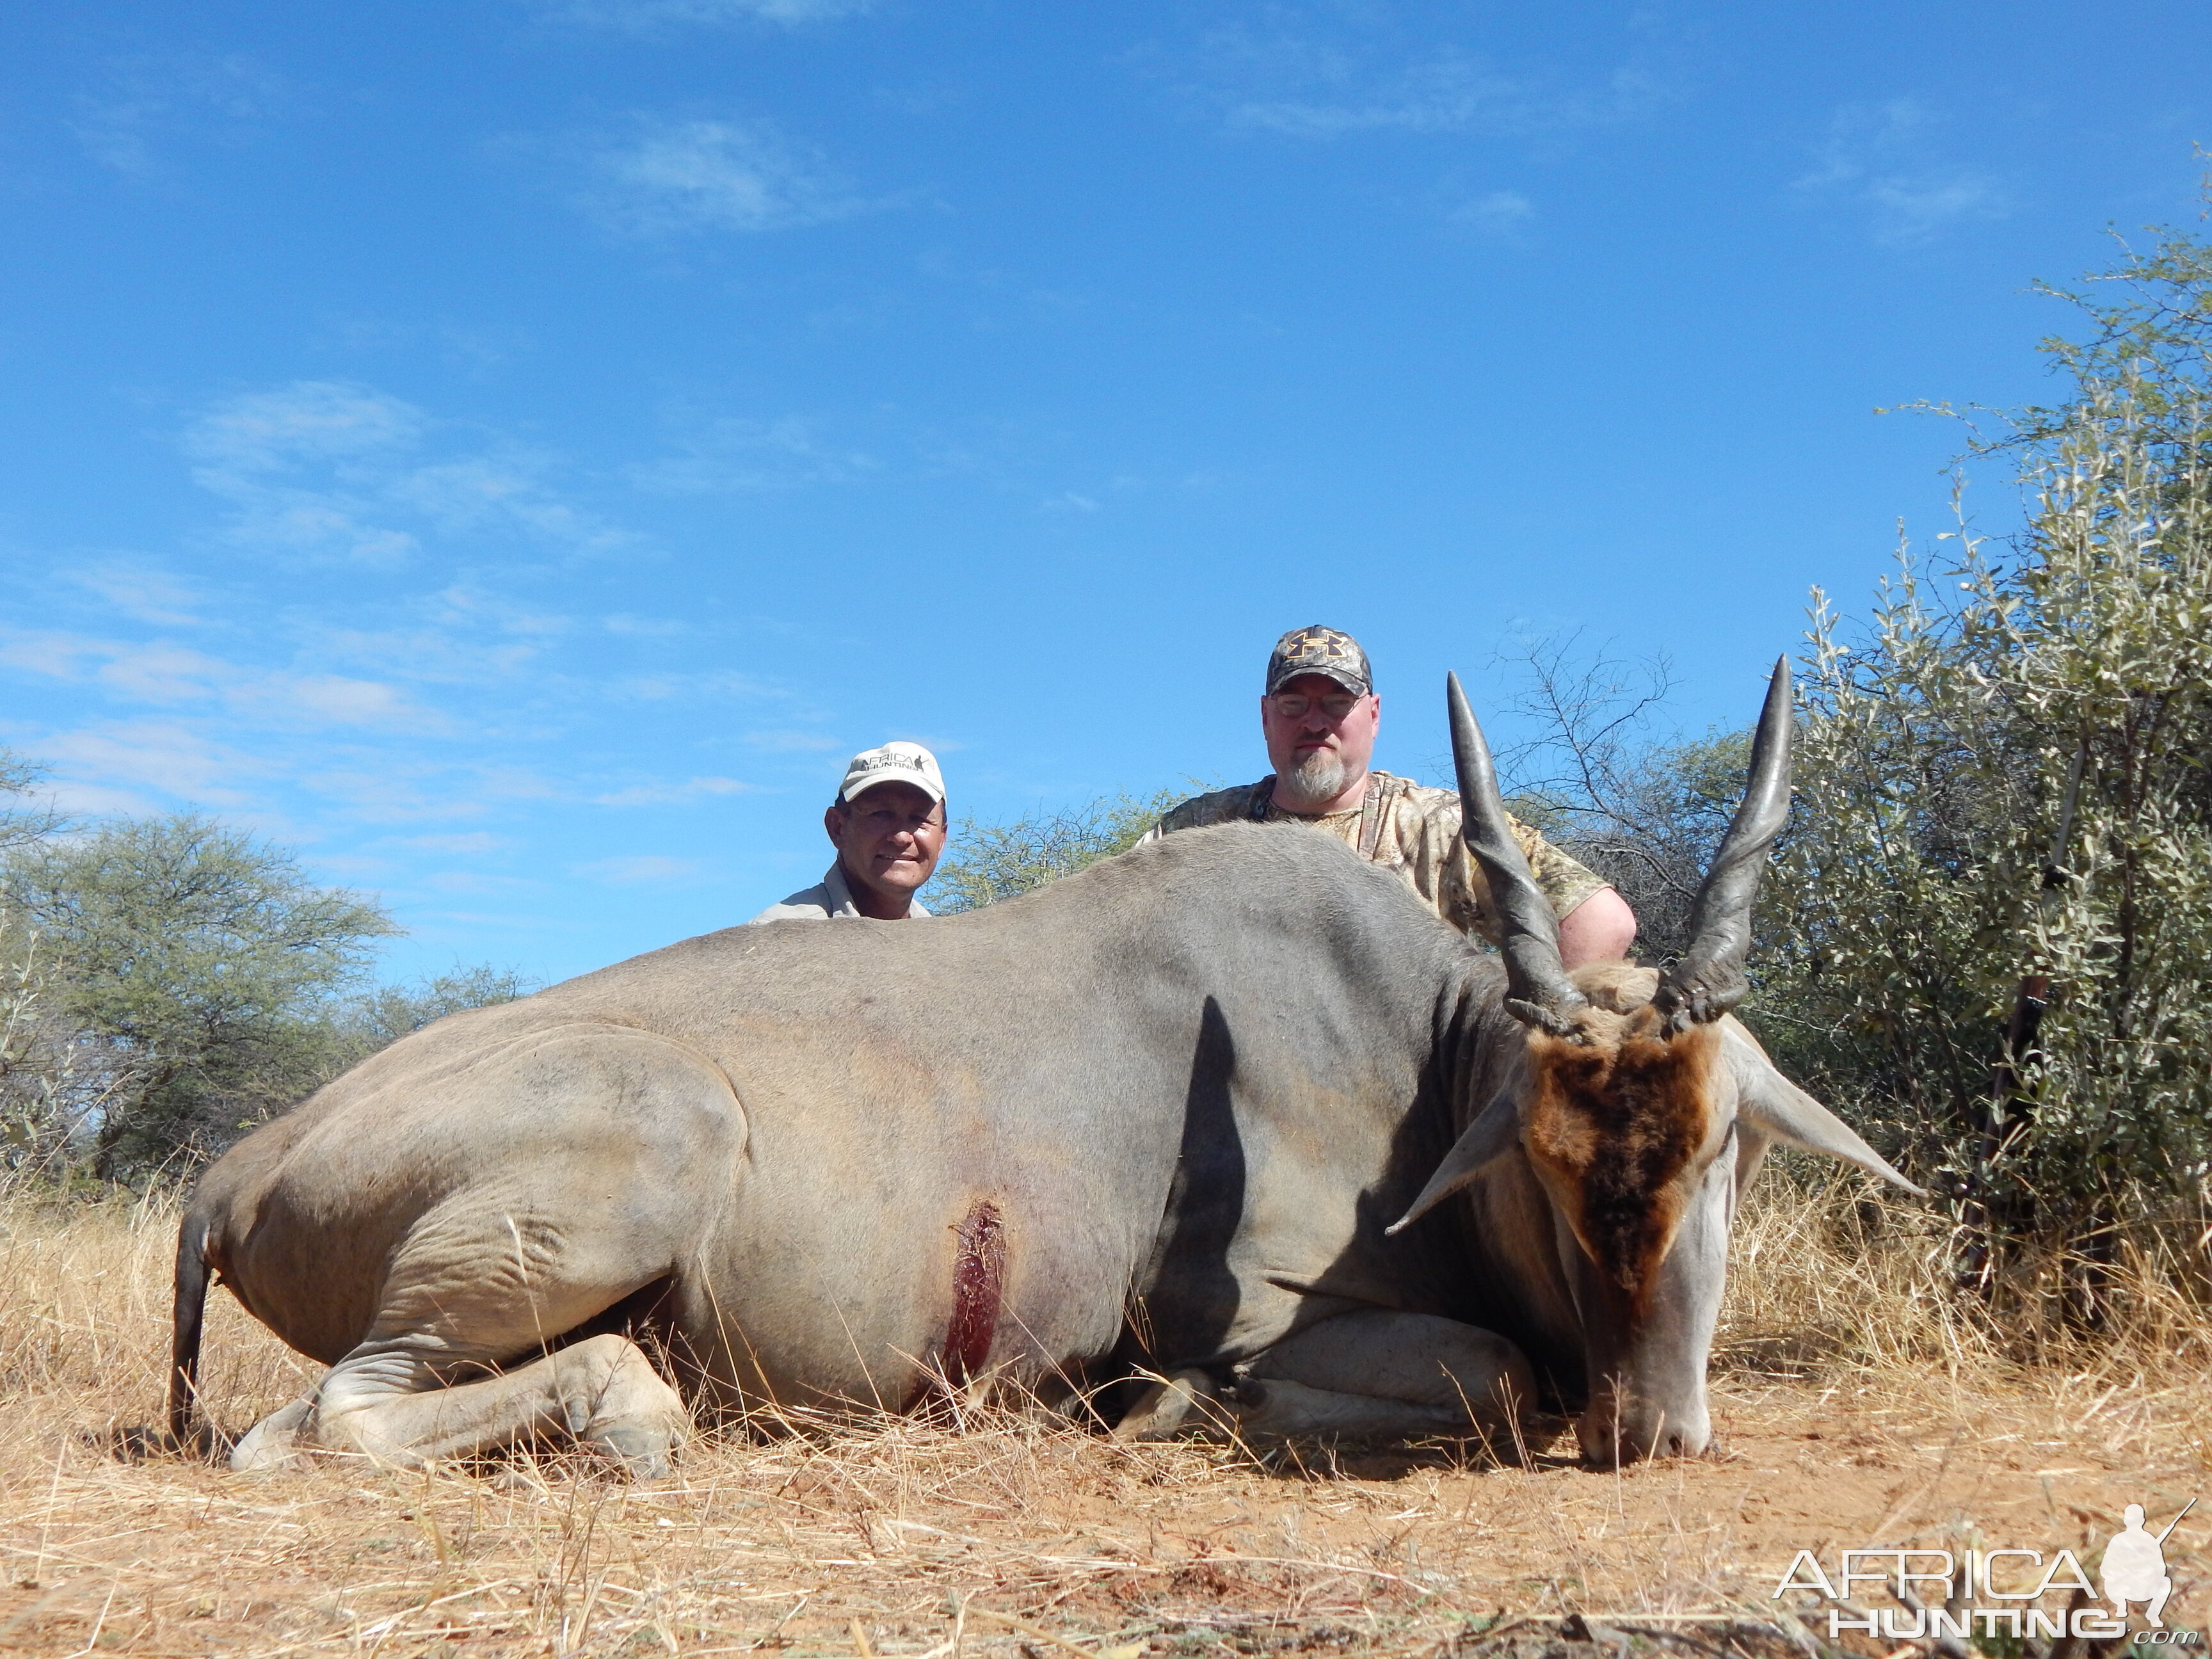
(1639, 1108)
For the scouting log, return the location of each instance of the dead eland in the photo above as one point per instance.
(1158, 1118)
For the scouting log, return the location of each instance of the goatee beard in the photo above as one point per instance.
(1318, 778)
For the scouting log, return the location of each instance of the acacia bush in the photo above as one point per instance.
(168, 983)
(1994, 912)
(188, 959)
(991, 861)
(1988, 935)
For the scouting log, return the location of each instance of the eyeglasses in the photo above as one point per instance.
(1294, 705)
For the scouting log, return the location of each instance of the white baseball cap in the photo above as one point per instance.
(894, 762)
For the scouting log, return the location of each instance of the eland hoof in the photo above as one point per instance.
(1169, 1408)
(644, 1455)
(273, 1443)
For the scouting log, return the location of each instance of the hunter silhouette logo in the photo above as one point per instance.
(2134, 1567)
(1943, 1594)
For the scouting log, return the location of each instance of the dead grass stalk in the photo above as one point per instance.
(1855, 1396)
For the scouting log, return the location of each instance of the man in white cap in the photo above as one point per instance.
(887, 826)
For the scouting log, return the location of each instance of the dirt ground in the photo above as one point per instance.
(902, 1538)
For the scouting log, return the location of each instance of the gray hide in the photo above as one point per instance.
(1167, 1104)
(1157, 1116)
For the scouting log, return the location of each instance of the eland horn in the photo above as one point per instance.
(1709, 979)
(1537, 989)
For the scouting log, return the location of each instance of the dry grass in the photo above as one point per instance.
(1857, 1404)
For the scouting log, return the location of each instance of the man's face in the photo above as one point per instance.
(888, 838)
(1317, 731)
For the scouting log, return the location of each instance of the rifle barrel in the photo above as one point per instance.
(2176, 1522)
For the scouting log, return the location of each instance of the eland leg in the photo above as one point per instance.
(1373, 1374)
(572, 1170)
(1170, 1406)
(392, 1405)
(457, 1361)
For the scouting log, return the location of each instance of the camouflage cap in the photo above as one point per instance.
(1318, 650)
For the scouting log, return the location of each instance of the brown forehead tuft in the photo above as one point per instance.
(1620, 1118)
(1619, 987)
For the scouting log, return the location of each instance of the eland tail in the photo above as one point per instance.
(186, 1322)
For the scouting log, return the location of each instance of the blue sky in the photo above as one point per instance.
(514, 450)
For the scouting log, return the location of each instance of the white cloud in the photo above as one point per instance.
(720, 683)
(638, 867)
(793, 742)
(475, 881)
(417, 720)
(248, 449)
(643, 627)
(1500, 213)
(1881, 158)
(155, 672)
(394, 786)
(307, 421)
(147, 100)
(485, 492)
(1310, 87)
(479, 922)
(158, 672)
(460, 636)
(128, 756)
(443, 652)
(333, 699)
(237, 737)
(380, 796)
(646, 14)
(463, 604)
(331, 470)
(735, 456)
(473, 842)
(660, 794)
(675, 176)
(356, 867)
(138, 591)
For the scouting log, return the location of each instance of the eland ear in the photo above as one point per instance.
(1495, 1132)
(1768, 1101)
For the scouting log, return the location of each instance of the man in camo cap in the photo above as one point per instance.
(1319, 715)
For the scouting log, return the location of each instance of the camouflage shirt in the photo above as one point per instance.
(1414, 831)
